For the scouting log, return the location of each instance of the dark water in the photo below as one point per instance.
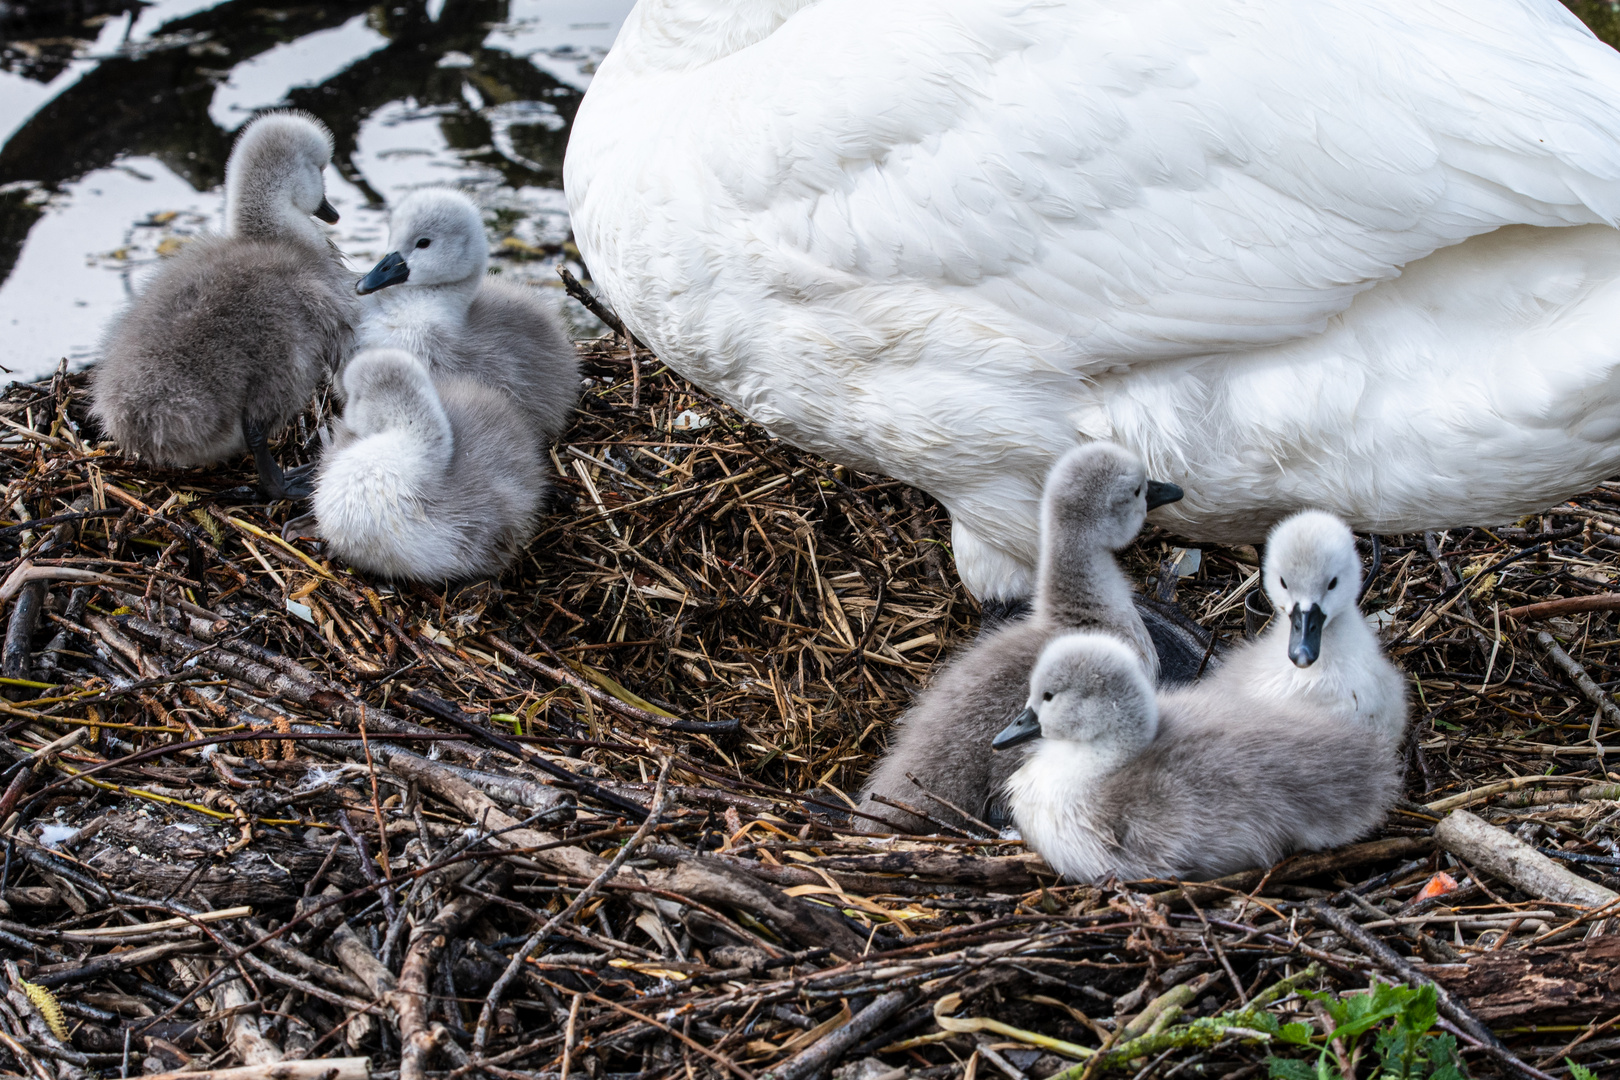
(116, 119)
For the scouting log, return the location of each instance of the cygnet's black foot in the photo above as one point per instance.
(289, 486)
(1182, 644)
(998, 610)
(302, 527)
(296, 483)
(274, 484)
(997, 814)
(827, 807)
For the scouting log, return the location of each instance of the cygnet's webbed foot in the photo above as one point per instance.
(299, 481)
(1184, 647)
(302, 527)
(826, 807)
(1000, 610)
(274, 484)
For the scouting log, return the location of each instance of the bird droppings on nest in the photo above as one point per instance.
(380, 805)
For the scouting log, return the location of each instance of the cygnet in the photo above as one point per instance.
(232, 337)
(427, 478)
(1189, 785)
(1094, 503)
(430, 296)
(1319, 654)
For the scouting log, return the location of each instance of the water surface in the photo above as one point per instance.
(114, 130)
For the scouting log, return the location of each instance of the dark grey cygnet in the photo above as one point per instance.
(1095, 501)
(431, 479)
(1195, 783)
(232, 337)
(431, 297)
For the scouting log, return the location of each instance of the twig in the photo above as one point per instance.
(1516, 862)
(1578, 676)
(437, 706)
(352, 1068)
(1391, 961)
(492, 1000)
(1567, 605)
(593, 305)
(410, 1000)
(832, 1046)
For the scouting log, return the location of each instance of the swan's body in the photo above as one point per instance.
(428, 479)
(1193, 785)
(1344, 673)
(1094, 504)
(1262, 243)
(430, 297)
(233, 336)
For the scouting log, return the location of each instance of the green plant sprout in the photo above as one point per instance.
(1391, 1022)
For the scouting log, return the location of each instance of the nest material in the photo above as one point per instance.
(307, 814)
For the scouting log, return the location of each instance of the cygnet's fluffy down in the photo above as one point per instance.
(1095, 501)
(430, 296)
(1191, 785)
(1318, 656)
(424, 478)
(232, 337)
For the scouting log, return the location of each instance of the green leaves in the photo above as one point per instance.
(1399, 1020)
(1298, 1034)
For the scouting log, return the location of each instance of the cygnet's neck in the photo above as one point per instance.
(407, 442)
(1051, 800)
(1078, 578)
(417, 318)
(266, 213)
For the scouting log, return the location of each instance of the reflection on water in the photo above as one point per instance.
(115, 126)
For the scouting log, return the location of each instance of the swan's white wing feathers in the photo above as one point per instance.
(1143, 180)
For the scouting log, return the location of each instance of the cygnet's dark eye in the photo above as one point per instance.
(1283, 582)
(1334, 584)
(424, 242)
(1047, 696)
(1138, 492)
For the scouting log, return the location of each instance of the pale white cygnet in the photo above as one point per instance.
(1318, 653)
(428, 479)
(1186, 785)
(430, 296)
(233, 335)
(1094, 504)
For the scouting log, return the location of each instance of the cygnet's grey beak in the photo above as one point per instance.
(391, 271)
(1025, 726)
(1305, 635)
(1160, 493)
(327, 212)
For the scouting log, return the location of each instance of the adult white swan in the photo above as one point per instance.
(1350, 254)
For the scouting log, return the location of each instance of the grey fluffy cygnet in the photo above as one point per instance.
(232, 337)
(427, 478)
(1319, 655)
(1192, 784)
(1095, 501)
(431, 297)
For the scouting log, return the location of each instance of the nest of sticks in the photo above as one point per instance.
(590, 821)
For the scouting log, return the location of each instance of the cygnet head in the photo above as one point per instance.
(436, 237)
(1101, 491)
(273, 182)
(1087, 688)
(390, 390)
(1313, 576)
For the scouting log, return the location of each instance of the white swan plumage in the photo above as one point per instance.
(1352, 254)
